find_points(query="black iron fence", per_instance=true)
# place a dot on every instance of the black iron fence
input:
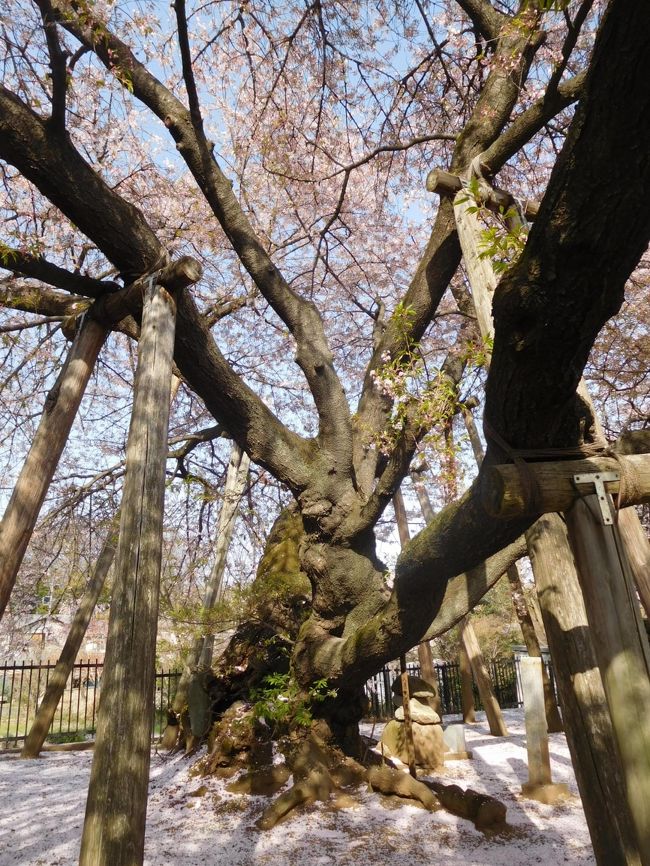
(23, 684)
(504, 674)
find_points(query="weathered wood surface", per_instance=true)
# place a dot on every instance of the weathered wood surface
(491, 706)
(479, 269)
(428, 673)
(503, 489)
(445, 184)
(637, 548)
(36, 475)
(114, 826)
(466, 689)
(621, 647)
(539, 760)
(177, 275)
(200, 655)
(59, 676)
(406, 706)
(584, 709)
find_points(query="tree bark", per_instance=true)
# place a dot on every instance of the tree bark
(56, 685)
(553, 720)
(114, 826)
(59, 412)
(588, 725)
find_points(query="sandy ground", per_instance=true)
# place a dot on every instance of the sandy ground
(43, 807)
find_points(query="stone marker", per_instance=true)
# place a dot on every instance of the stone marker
(540, 785)
(454, 738)
(428, 741)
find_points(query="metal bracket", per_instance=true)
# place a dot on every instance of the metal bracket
(598, 479)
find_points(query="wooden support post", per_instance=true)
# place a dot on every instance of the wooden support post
(540, 784)
(621, 648)
(637, 548)
(491, 706)
(236, 476)
(468, 638)
(466, 688)
(408, 725)
(116, 808)
(424, 650)
(200, 656)
(584, 709)
(36, 475)
(428, 673)
(59, 677)
(479, 269)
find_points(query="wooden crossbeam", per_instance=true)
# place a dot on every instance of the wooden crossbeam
(445, 184)
(503, 487)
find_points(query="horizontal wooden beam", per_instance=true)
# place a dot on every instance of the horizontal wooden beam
(112, 308)
(445, 184)
(504, 487)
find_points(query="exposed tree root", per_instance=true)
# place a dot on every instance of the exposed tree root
(390, 781)
(486, 812)
(317, 786)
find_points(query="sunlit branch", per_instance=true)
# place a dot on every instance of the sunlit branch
(24, 326)
(484, 17)
(531, 121)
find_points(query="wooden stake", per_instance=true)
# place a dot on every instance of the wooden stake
(637, 548)
(59, 677)
(114, 826)
(491, 706)
(428, 673)
(621, 648)
(408, 725)
(466, 688)
(584, 709)
(36, 475)
(200, 656)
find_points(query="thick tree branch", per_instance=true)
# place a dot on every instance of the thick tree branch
(37, 299)
(529, 122)
(300, 316)
(591, 230)
(519, 38)
(484, 17)
(119, 229)
(58, 60)
(40, 269)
